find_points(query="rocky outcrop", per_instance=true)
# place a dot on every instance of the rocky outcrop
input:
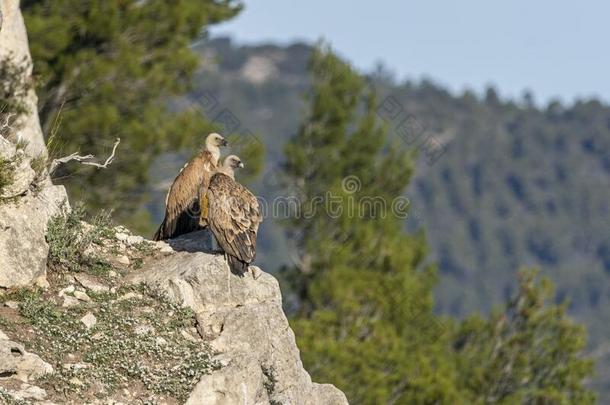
(16, 362)
(24, 212)
(23, 174)
(241, 318)
(14, 46)
(23, 225)
(26, 205)
(243, 321)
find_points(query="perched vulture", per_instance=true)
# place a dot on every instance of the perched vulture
(182, 201)
(233, 216)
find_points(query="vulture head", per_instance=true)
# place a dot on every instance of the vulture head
(231, 163)
(215, 140)
(213, 143)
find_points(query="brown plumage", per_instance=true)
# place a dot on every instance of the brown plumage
(182, 213)
(233, 216)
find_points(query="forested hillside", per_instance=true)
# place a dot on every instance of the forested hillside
(510, 183)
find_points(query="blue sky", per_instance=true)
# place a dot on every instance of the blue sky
(557, 49)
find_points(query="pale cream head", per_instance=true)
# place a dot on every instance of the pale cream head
(213, 143)
(231, 163)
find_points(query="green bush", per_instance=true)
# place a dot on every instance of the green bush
(69, 237)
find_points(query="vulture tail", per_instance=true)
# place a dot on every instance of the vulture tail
(237, 266)
(157, 235)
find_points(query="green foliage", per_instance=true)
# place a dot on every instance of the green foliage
(69, 237)
(365, 293)
(15, 85)
(7, 172)
(8, 399)
(518, 185)
(252, 153)
(529, 353)
(365, 321)
(136, 339)
(108, 69)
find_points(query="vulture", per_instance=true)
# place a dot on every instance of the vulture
(182, 202)
(233, 216)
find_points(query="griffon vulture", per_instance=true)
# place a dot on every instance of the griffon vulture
(233, 216)
(182, 201)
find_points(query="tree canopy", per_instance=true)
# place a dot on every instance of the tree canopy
(365, 319)
(108, 69)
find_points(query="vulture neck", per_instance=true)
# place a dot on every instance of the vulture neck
(229, 171)
(214, 150)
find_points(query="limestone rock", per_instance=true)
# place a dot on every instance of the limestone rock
(69, 289)
(23, 226)
(29, 392)
(122, 259)
(133, 240)
(11, 304)
(243, 321)
(89, 320)
(23, 222)
(81, 296)
(70, 301)
(23, 174)
(91, 284)
(14, 44)
(15, 362)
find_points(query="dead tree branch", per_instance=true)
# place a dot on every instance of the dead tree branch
(85, 160)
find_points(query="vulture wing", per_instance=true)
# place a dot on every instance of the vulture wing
(233, 217)
(182, 201)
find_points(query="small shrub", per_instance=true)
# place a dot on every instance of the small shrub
(69, 238)
(8, 399)
(39, 165)
(7, 173)
(14, 85)
(134, 341)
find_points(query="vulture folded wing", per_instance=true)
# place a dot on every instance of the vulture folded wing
(234, 217)
(182, 201)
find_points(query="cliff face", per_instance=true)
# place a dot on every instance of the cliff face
(93, 314)
(14, 47)
(27, 199)
(155, 324)
(243, 321)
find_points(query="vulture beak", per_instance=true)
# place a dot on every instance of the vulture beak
(224, 142)
(241, 164)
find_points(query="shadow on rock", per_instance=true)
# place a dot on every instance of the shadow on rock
(198, 241)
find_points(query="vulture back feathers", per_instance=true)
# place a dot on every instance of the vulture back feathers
(233, 216)
(182, 208)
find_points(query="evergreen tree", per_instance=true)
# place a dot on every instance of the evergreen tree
(107, 69)
(529, 353)
(366, 321)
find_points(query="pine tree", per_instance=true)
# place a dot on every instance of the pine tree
(527, 353)
(108, 69)
(366, 321)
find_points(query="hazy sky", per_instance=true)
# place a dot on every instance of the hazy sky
(555, 48)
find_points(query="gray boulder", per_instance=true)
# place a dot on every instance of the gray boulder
(24, 175)
(15, 362)
(23, 226)
(24, 216)
(14, 45)
(243, 321)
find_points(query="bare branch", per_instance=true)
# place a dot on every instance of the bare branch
(85, 160)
